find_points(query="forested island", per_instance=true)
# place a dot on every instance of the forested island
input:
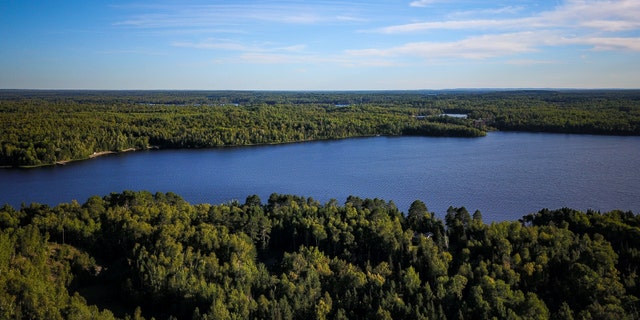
(41, 127)
(138, 255)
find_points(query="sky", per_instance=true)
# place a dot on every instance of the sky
(319, 45)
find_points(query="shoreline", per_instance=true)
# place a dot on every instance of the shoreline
(97, 154)
(94, 155)
(104, 153)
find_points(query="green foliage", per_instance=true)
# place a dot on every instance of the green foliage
(43, 128)
(611, 112)
(138, 255)
(47, 127)
(35, 274)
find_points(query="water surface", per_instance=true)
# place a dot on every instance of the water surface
(504, 175)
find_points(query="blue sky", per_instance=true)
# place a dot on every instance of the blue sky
(319, 45)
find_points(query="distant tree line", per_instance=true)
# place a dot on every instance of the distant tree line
(137, 255)
(45, 129)
(615, 112)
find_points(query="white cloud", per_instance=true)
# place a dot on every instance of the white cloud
(455, 25)
(220, 44)
(480, 47)
(612, 25)
(289, 58)
(225, 15)
(596, 24)
(528, 62)
(491, 46)
(489, 11)
(270, 58)
(607, 44)
(599, 15)
(233, 45)
(146, 52)
(293, 48)
(422, 3)
(623, 14)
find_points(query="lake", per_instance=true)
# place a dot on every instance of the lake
(504, 175)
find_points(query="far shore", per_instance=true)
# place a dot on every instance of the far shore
(104, 153)
(91, 156)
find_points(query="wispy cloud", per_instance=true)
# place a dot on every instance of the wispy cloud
(268, 53)
(608, 43)
(456, 25)
(235, 45)
(281, 58)
(595, 24)
(612, 15)
(260, 53)
(498, 45)
(220, 44)
(145, 52)
(529, 62)
(623, 14)
(475, 34)
(217, 15)
(480, 47)
(347, 61)
(508, 10)
(422, 3)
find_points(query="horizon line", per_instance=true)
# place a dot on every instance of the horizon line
(345, 90)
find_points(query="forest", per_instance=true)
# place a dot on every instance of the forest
(40, 127)
(138, 255)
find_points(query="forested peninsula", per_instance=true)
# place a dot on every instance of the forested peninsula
(40, 127)
(138, 255)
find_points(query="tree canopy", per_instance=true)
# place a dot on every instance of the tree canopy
(47, 127)
(137, 255)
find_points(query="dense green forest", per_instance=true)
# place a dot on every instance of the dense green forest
(137, 255)
(47, 127)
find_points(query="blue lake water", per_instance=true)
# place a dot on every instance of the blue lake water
(504, 175)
